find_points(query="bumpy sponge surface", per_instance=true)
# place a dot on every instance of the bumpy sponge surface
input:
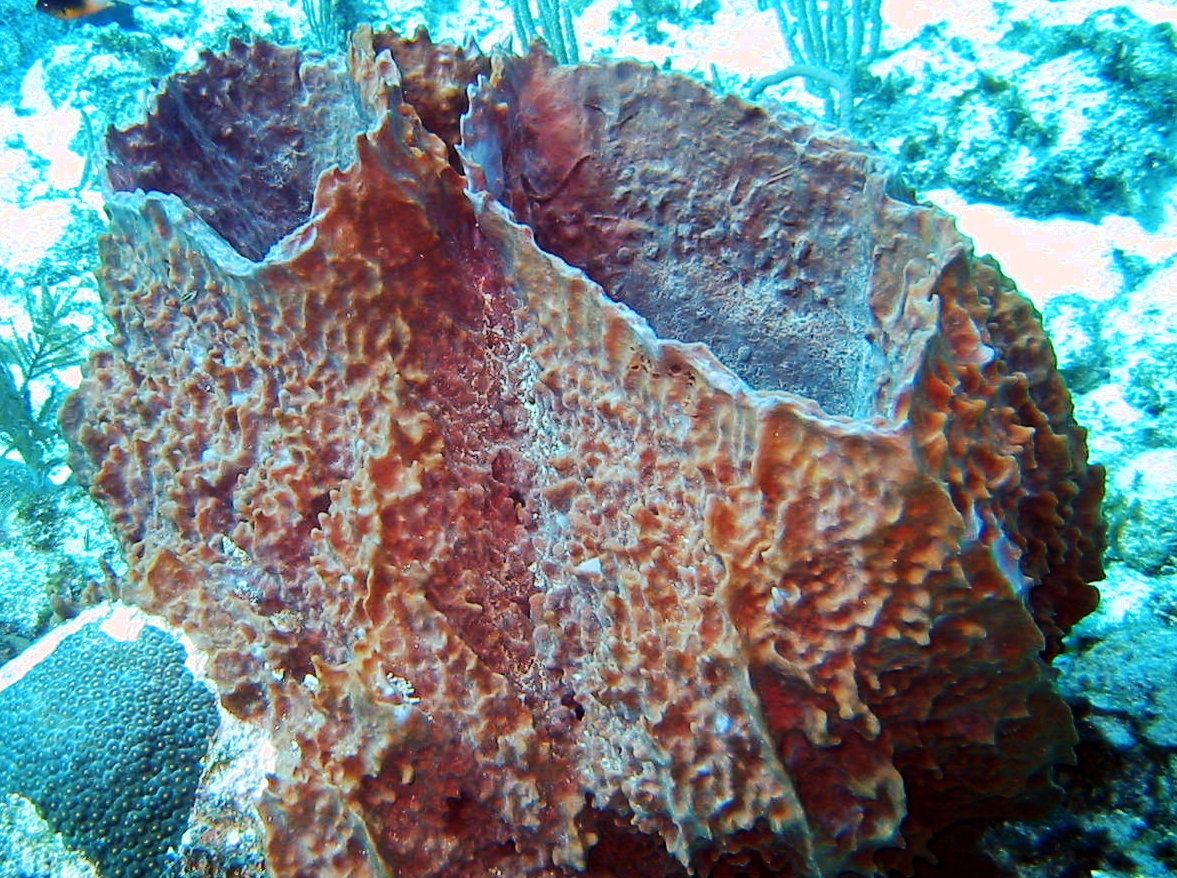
(106, 735)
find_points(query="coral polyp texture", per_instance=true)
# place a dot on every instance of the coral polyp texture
(625, 485)
(104, 729)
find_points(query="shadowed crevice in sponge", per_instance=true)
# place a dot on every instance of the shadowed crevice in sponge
(755, 236)
(225, 143)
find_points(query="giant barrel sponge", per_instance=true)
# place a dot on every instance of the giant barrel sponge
(595, 476)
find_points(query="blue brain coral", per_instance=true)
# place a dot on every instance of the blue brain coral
(106, 736)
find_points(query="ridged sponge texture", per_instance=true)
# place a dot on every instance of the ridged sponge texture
(522, 581)
(105, 735)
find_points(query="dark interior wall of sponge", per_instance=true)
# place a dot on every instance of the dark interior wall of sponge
(106, 737)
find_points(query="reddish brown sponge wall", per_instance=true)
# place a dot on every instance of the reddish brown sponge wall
(761, 578)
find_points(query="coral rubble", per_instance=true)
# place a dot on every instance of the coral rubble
(747, 561)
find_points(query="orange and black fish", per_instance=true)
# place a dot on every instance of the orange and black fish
(92, 11)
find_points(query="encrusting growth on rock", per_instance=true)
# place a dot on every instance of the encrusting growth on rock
(625, 486)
